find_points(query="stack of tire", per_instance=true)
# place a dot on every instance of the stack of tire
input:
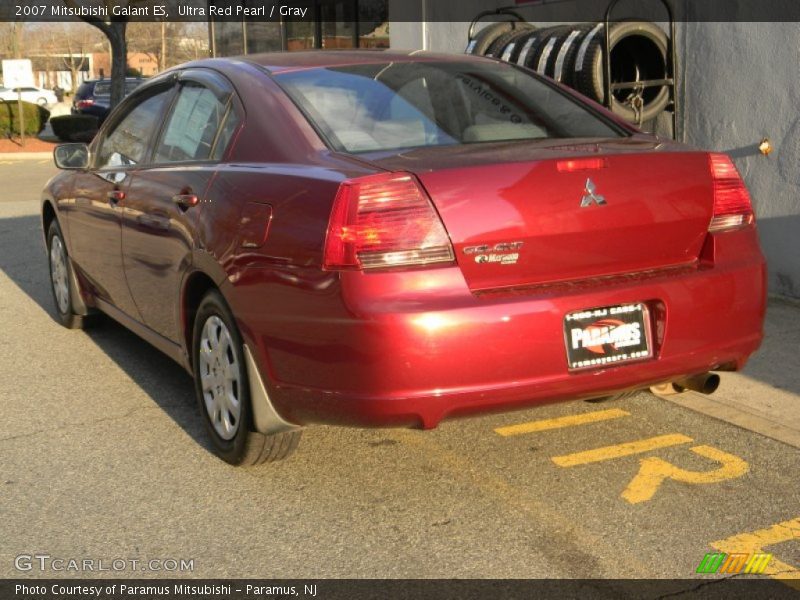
(573, 55)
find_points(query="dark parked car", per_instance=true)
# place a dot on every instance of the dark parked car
(389, 239)
(93, 97)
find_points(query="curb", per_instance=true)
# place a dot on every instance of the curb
(735, 416)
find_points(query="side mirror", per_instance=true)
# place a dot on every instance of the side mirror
(71, 156)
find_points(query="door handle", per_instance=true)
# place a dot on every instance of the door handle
(185, 201)
(115, 196)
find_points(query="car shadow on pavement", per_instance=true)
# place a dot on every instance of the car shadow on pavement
(24, 261)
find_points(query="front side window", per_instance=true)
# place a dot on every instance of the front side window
(127, 142)
(195, 121)
(364, 108)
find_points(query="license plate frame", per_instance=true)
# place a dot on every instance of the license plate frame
(611, 325)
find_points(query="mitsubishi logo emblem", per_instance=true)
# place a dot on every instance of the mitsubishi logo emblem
(589, 196)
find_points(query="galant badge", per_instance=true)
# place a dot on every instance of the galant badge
(590, 197)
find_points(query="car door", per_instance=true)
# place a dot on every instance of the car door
(162, 206)
(100, 193)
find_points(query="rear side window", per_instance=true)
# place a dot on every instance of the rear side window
(103, 88)
(128, 140)
(193, 127)
(365, 108)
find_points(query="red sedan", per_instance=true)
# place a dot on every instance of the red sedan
(388, 239)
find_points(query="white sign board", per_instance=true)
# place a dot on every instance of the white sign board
(17, 73)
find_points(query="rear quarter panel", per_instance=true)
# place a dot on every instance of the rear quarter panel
(282, 299)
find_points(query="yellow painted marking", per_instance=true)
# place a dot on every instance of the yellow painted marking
(654, 471)
(754, 543)
(620, 450)
(559, 422)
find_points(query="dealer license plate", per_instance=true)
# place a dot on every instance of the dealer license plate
(609, 335)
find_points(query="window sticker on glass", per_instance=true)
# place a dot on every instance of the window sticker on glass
(192, 127)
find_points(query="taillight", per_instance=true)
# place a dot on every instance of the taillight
(732, 207)
(382, 221)
(581, 164)
(85, 103)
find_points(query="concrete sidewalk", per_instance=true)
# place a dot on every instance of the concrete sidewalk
(765, 396)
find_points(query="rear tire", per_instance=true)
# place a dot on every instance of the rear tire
(61, 277)
(223, 390)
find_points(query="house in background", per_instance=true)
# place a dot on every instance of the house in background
(62, 70)
(145, 64)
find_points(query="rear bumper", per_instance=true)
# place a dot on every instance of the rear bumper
(409, 349)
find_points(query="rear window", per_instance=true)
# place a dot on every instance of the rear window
(103, 88)
(367, 108)
(85, 89)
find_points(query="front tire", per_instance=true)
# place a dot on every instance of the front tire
(223, 390)
(60, 278)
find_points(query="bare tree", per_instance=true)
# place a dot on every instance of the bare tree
(168, 43)
(17, 40)
(114, 30)
(75, 58)
(150, 39)
(9, 39)
(192, 43)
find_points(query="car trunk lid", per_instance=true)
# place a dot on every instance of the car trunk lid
(540, 212)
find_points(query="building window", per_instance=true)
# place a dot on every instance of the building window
(335, 24)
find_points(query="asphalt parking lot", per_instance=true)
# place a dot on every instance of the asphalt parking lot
(104, 456)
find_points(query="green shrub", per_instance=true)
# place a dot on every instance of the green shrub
(35, 117)
(75, 128)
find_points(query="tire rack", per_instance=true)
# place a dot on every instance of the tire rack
(670, 81)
